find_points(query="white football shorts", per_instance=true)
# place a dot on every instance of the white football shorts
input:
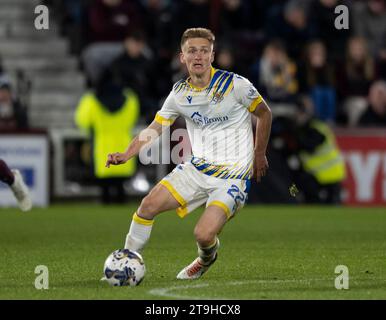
(192, 188)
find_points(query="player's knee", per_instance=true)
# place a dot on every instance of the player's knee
(148, 208)
(204, 236)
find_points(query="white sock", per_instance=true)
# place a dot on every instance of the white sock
(139, 233)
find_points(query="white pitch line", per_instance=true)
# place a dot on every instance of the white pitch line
(166, 292)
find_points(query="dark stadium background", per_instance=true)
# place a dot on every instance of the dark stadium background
(279, 246)
(83, 50)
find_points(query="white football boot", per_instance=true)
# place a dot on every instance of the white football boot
(21, 192)
(195, 270)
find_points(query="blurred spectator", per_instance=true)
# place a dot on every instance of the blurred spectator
(317, 79)
(157, 22)
(369, 20)
(323, 15)
(225, 59)
(354, 76)
(233, 18)
(310, 151)
(323, 168)
(257, 12)
(290, 24)
(234, 24)
(375, 115)
(13, 114)
(134, 69)
(241, 23)
(97, 57)
(111, 20)
(73, 21)
(109, 23)
(357, 69)
(159, 27)
(110, 115)
(189, 14)
(276, 74)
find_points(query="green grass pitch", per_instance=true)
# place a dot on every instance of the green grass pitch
(267, 252)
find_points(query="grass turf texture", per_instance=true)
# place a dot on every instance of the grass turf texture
(267, 252)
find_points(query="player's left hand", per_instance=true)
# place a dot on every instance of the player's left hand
(260, 166)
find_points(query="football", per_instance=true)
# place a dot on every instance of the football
(124, 268)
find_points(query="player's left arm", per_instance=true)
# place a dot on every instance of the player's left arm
(263, 130)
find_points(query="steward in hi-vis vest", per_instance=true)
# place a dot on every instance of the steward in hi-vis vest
(110, 116)
(326, 162)
(322, 161)
(110, 130)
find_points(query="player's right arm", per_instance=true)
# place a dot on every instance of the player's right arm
(145, 137)
(164, 118)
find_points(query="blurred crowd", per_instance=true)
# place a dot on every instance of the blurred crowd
(13, 112)
(286, 48)
(309, 72)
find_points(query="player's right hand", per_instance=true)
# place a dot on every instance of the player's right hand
(115, 159)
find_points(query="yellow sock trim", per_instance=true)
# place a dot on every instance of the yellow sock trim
(142, 221)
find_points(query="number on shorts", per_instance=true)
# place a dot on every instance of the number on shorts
(236, 194)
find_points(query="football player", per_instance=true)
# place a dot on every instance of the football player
(14, 180)
(217, 106)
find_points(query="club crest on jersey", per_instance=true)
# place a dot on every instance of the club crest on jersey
(189, 98)
(217, 97)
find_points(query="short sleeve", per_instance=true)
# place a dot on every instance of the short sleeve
(168, 113)
(246, 93)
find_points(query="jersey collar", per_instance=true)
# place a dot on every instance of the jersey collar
(212, 71)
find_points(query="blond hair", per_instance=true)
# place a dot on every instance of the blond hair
(197, 33)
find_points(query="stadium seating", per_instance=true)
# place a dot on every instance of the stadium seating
(42, 57)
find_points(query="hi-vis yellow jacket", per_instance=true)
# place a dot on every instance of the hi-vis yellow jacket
(112, 131)
(326, 163)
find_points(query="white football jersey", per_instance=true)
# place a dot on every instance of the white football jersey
(218, 122)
